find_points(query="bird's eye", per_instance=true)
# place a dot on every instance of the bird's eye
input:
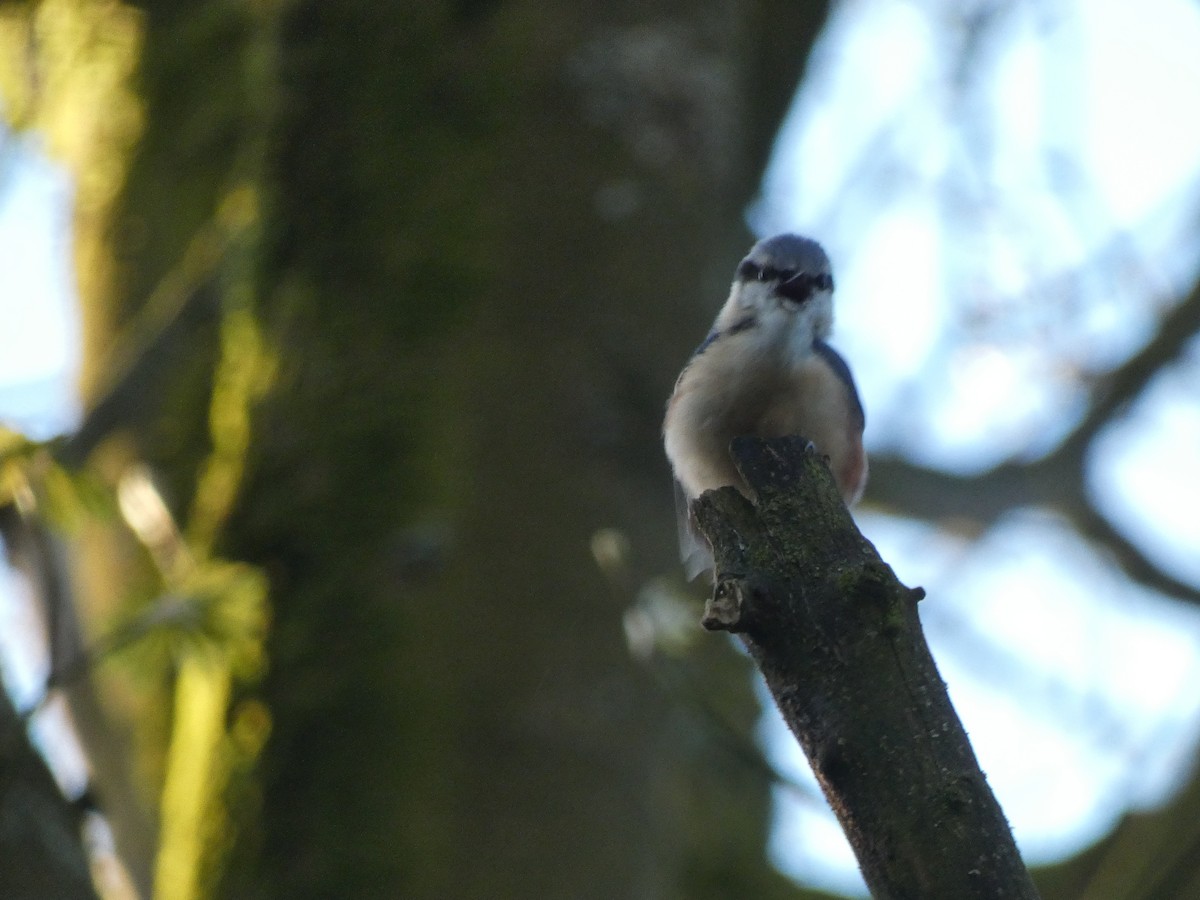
(749, 270)
(823, 282)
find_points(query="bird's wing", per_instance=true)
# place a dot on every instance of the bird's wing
(693, 550)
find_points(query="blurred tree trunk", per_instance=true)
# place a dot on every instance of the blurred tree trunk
(488, 234)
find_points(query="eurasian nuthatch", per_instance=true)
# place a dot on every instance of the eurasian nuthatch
(765, 370)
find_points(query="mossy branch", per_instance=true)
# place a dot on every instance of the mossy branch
(839, 641)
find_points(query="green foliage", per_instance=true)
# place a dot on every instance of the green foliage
(32, 479)
(218, 610)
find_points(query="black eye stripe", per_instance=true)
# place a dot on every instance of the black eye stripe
(748, 270)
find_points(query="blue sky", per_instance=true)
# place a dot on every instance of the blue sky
(39, 343)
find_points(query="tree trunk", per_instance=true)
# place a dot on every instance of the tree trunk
(484, 236)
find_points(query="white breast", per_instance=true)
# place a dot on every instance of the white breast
(720, 396)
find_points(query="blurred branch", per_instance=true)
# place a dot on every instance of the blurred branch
(933, 494)
(1056, 481)
(840, 645)
(1118, 388)
(1148, 856)
(129, 395)
(1132, 560)
(42, 852)
(34, 552)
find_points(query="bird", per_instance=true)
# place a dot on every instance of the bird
(764, 370)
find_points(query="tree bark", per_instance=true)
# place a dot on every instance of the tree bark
(839, 641)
